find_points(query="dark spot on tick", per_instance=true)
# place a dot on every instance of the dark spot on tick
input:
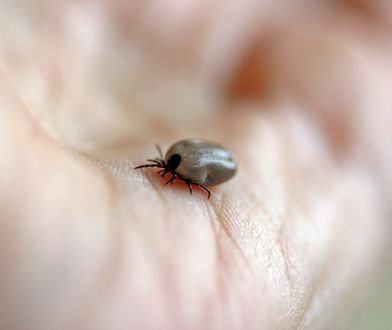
(174, 161)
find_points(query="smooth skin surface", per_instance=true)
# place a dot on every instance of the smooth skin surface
(303, 100)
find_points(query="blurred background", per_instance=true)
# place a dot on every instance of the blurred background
(376, 312)
(140, 64)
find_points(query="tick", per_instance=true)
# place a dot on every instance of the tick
(195, 162)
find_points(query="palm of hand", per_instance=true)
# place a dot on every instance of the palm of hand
(84, 247)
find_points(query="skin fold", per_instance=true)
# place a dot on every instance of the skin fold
(301, 97)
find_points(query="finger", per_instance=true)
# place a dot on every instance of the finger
(340, 77)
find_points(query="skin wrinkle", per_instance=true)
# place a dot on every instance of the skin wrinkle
(163, 263)
(327, 272)
(166, 197)
(98, 284)
(169, 286)
(312, 294)
(158, 262)
(110, 266)
(249, 269)
(225, 265)
(218, 260)
(285, 258)
(222, 259)
(247, 217)
(265, 250)
(286, 279)
(254, 272)
(99, 290)
(281, 246)
(116, 256)
(276, 270)
(219, 255)
(279, 281)
(259, 246)
(37, 153)
(311, 289)
(224, 215)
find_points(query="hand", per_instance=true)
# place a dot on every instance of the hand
(291, 242)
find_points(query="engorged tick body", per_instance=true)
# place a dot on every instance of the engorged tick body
(196, 162)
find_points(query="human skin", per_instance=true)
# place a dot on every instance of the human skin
(294, 240)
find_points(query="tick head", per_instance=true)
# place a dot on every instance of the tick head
(173, 161)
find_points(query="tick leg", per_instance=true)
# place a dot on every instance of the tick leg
(147, 165)
(156, 161)
(171, 180)
(204, 188)
(165, 171)
(168, 181)
(189, 186)
(157, 146)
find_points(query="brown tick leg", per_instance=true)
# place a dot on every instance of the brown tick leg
(171, 180)
(189, 186)
(156, 161)
(147, 165)
(204, 188)
(157, 146)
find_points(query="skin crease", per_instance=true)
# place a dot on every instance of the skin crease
(293, 241)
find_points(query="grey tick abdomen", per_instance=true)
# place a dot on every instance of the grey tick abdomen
(203, 162)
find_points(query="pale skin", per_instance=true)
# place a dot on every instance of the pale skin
(294, 240)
